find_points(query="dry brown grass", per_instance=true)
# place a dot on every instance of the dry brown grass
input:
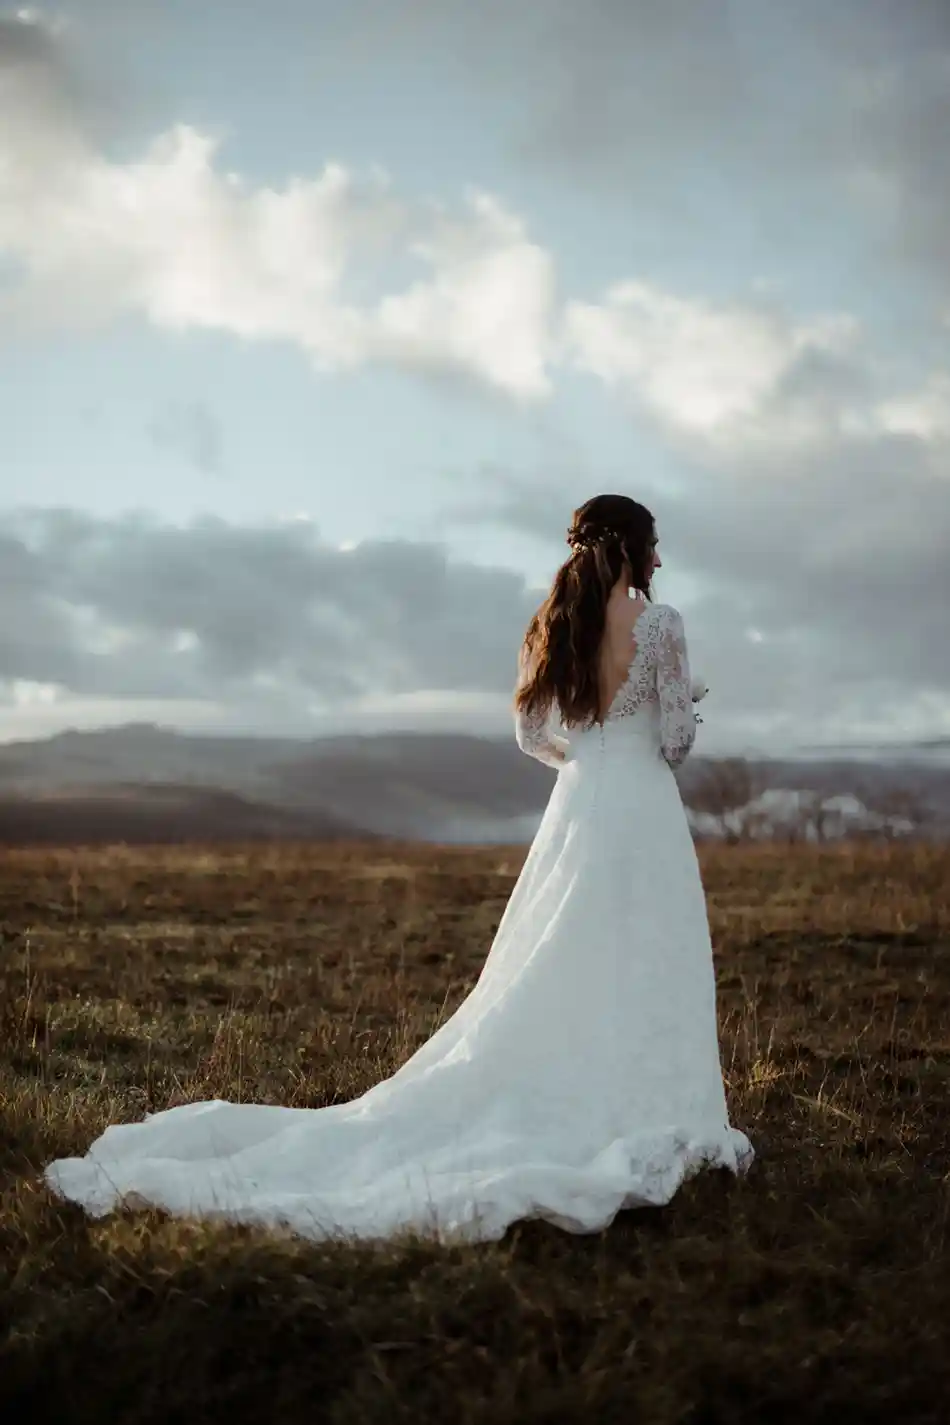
(817, 1289)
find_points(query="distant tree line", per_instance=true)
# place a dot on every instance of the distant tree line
(728, 793)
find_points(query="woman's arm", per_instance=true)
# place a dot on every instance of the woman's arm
(677, 716)
(534, 737)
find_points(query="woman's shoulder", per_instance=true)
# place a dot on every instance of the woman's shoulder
(665, 614)
(665, 621)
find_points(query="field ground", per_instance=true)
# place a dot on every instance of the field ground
(816, 1289)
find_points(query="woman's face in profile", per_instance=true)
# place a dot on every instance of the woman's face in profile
(654, 561)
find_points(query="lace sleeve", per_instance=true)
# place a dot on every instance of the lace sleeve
(533, 733)
(677, 717)
(534, 736)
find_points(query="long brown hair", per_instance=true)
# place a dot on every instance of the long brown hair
(610, 535)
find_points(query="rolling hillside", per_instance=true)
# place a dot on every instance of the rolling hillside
(142, 783)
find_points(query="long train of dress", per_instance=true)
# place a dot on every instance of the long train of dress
(580, 1076)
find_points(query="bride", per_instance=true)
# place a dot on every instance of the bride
(582, 1073)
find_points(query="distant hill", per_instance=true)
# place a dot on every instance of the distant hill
(149, 814)
(139, 777)
(142, 783)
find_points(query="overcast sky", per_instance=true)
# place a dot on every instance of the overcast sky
(317, 320)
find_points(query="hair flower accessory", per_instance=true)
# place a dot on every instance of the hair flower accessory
(589, 537)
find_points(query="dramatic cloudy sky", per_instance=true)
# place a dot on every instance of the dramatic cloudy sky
(317, 320)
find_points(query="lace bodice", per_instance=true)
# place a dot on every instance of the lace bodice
(658, 674)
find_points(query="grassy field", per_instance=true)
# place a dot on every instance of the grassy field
(816, 1289)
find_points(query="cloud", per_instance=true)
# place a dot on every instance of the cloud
(711, 370)
(39, 91)
(267, 627)
(169, 236)
(190, 429)
(26, 40)
(487, 308)
(809, 131)
(924, 413)
(742, 382)
(797, 458)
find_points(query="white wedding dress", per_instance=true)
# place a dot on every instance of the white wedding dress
(580, 1076)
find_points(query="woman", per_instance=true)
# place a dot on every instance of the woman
(581, 1075)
